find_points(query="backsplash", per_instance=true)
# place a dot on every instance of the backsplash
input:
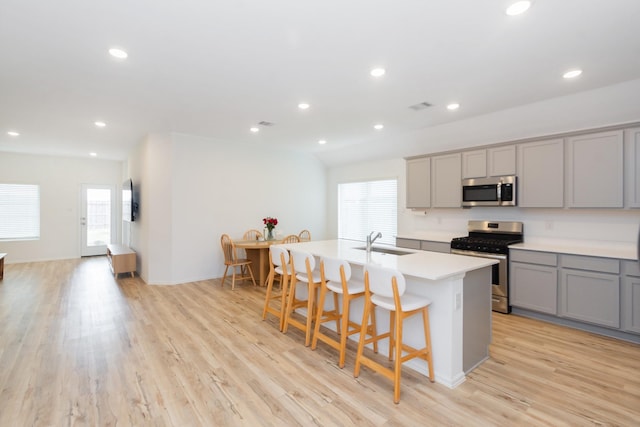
(565, 224)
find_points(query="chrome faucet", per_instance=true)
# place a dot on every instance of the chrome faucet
(370, 240)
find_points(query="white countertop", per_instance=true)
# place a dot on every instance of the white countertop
(422, 264)
(618, 250)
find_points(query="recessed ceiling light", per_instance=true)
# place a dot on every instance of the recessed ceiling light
(378, 72)
(322, 142)
(118, 53)
(303, 106)
(93, 154)
(379, 126)
(518, 7)
(572, 74)
(254, 130)
(13, 133)
(100, 124)
(453, 106)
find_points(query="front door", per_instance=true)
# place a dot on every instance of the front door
(97, 219)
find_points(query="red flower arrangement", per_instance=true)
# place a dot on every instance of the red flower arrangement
(270, 223)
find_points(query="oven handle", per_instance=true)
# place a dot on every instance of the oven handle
(478, 254)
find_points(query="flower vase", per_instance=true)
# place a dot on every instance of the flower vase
(270, 234)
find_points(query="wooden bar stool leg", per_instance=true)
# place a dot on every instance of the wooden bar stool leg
(392, 328)
(397, 369)
(310, 306)
(365, 319)
(427, 340)
(319, 313)
(267, 298)
(344, 330)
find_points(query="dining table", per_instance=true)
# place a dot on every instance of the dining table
(258, 253)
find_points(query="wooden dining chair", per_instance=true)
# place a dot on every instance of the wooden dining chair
(305, 235)
(291, 238)
(231, 260)
(252, 235)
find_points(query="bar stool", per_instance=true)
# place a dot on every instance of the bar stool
(279, 260)
(385, 288)
(335, 276)
(303, 272)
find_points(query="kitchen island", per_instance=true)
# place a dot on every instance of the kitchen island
(458, 286)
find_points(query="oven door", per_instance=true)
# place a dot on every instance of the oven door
(499, 279)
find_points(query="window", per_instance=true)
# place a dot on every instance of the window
(19, 212)
(364, 207)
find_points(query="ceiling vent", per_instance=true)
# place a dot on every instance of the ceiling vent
(420, 106)
(263, 123)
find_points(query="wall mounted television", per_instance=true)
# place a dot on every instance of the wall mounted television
(129, 204)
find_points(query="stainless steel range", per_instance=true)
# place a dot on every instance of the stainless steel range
(491, 239)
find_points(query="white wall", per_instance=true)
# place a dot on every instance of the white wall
(60, 180)
(195, 189)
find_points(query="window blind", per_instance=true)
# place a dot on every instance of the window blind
(369, 206)
(19, 211)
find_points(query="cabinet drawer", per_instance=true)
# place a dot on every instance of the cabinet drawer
(604, 265)
(631, 268)
(407, 243)
(532, 257)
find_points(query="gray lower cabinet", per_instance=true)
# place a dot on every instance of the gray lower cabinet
(431, 246)
(631, 297)
(533, 282)
(590, 290)
(407, 243)
(425, 245)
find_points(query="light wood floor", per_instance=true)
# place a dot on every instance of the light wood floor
(79, 348)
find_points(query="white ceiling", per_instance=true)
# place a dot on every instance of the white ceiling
(215, 68)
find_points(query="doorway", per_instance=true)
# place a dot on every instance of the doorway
(97, 219)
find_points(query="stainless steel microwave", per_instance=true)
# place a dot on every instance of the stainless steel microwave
(494, 191)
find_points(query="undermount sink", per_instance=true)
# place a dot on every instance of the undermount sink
(385, 250)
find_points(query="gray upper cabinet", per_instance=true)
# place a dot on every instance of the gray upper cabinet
(594, 165)
(474, 164)
(419, 183)
(446, 182)
(496, 161)
(632, 167)
(502, 160)
(541, 174)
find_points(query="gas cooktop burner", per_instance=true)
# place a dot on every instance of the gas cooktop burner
(481, 244)
(489, 237)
